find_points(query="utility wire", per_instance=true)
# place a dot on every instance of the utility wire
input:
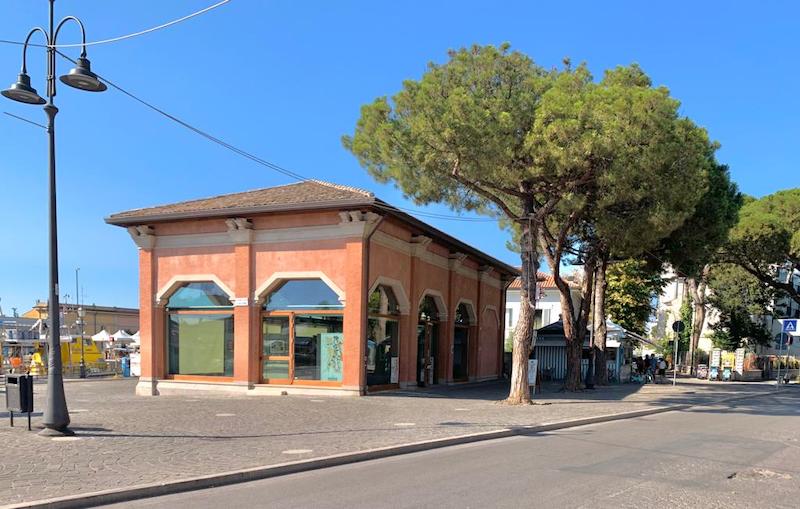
(25, 120)
(280, 169)
(127, 36)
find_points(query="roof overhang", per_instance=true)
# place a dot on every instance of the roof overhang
(131, 220)
(373, 204)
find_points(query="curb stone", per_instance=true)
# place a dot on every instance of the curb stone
(113, 496)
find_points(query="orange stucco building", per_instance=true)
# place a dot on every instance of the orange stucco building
(309, 288)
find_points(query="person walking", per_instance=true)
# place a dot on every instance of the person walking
(662, 369)
(648, 369)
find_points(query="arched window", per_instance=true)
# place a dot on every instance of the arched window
(302, 336)
(303, 294)
(462, 315)
(383, 301)
(382, 337)
(428, 311)
(200, 331)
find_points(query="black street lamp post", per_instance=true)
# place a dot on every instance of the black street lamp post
(56, 416)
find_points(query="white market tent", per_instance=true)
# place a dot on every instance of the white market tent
(136, 339)
(122, 337)
(102, 337)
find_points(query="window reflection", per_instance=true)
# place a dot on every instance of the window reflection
(382, 337)
(300, 346)
(199, 343)
(303, 294)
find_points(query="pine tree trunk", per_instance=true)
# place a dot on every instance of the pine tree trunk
(697, 290)
(600, 332)
(519, 393)
(575, 322)
(523, 343)
(574, 352)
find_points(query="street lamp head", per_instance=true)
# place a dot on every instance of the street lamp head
(22, 91)
(82, 77)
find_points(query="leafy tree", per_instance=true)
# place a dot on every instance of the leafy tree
(736, 329)
(573, 164)
(767, 239)
(460, 136)
(685, 336)
(632, 145)
(632, 285)
(741, 300)
(692, 248)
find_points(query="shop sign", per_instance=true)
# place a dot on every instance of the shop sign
(716, 356)
(532, 366)
(739, 362)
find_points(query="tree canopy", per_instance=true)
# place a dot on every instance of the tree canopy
(460, 135)
(697, 242)
(741, 301)
(632, 285)
(766, 240)
(577, 165)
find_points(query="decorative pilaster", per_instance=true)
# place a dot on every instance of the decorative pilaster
(246, 351)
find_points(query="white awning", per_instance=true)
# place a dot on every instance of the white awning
(122, 337)
(102, 337)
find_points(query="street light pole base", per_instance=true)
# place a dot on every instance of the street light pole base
(51, 432)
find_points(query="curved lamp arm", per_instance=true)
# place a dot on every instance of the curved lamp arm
(83, 33)
(25, 46)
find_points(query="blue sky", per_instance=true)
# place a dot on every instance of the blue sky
(285, 80)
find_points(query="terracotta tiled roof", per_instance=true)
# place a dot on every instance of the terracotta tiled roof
(306, 194)
(544, 280)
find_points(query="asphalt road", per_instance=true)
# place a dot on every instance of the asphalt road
(740, 454)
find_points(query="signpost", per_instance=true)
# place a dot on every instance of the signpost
(532, 367)
(678, 327)
(789, 328)
(738, 364)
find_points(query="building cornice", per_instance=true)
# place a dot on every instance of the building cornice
(240, 231)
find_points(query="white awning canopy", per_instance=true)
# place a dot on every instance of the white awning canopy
(102, 337)
(122, 337)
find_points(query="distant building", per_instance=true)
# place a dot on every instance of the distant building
(548, 303)
(550, 350)
(668, 310)
(97, 318)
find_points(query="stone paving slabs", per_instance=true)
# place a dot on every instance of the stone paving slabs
(125, 440)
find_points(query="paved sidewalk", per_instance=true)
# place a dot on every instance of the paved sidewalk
(124, 441)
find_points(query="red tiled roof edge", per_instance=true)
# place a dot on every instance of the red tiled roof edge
(544, 280)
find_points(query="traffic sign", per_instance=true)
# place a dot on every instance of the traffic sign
(678, 326)
(789, 326)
